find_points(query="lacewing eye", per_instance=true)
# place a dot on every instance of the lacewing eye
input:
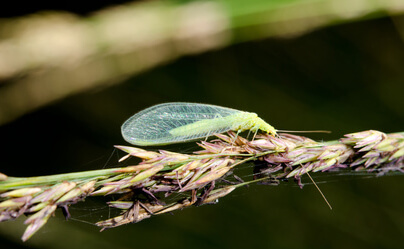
(180, 122)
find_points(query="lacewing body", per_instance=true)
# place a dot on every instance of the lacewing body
(181, 122)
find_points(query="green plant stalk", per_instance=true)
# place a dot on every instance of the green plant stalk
(22, 182)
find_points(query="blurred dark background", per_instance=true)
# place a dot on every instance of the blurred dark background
(20, 8)
(343, 78)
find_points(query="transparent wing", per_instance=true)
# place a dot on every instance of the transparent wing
(152, 126)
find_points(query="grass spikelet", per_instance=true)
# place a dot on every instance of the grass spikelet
(200, 177)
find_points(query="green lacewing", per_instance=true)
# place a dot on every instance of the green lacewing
(181, 122)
